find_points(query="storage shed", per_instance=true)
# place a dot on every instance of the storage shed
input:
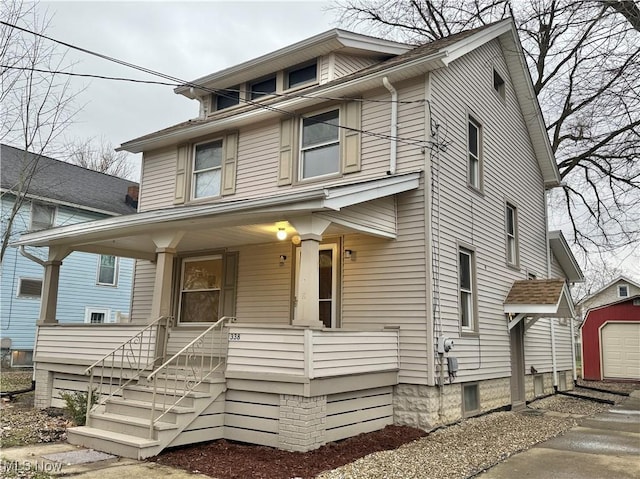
(611, 341)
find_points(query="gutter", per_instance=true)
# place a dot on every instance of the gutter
(394, 126)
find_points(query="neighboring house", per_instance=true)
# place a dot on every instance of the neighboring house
(93, 288)
(611, 341)
(351, 234)
(619, 289)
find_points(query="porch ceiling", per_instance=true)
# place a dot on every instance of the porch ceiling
(224, 223)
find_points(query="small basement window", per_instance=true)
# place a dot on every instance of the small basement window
(470, 399)
(21, 359)
(538, 385)
(498, 84)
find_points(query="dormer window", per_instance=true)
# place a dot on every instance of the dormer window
(263, 87)
(227, 98)
(300, 75)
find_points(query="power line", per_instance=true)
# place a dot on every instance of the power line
(220, 92)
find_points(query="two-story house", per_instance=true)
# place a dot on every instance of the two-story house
(93, 288)
(352, 233)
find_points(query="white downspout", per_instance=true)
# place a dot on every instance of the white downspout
(394, 126)
(553, 355)
(554, 365)
(573, 352)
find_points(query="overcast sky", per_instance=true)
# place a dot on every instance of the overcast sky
(183, 39)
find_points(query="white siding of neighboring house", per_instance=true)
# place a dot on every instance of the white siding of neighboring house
(478, 220)
(608, 295)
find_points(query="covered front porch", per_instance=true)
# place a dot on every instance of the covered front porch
(209, 317)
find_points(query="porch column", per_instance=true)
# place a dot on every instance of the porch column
(310, 230)
(49, 301)
(165, 255)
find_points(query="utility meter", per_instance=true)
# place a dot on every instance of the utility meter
(444, 344)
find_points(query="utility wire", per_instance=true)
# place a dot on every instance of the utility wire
(221, 92)
(88, 75)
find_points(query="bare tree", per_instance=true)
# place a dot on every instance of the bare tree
(36, 106)
(99, 155)
(584, 61)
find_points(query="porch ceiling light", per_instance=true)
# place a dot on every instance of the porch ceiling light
(281, 234)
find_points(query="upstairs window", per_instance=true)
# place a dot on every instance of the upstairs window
(320, 145)
(41, 216)
(512, 235)
(227, 98)
(498, 84)
(623, 291)
(207, 169)
(474, 166)
(466, 284)
(263, 88)
(107, 270)
(301, 75)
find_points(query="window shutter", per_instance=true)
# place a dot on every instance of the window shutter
(229, 165)
(285, 167)
(229, 287)
(350, 136)
(181, 174)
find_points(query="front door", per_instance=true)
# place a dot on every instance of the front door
(328, 281)
(517, 367)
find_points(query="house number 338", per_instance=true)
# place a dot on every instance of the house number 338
(234, 336)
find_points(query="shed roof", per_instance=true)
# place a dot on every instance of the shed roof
(64, 183)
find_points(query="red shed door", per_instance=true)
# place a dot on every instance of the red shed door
(621, 351)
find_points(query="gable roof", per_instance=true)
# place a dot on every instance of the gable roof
(565, 258)
(619, 279)
(63, 183)
(539, 298)
(418, 61)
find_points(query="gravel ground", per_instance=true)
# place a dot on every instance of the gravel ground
(620, 387)
(474, 445)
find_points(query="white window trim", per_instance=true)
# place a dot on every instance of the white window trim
(620, 286)
(515, 261)
(473, 326)
(501, 91)
(182, 266)
(115, 272)
(471, 119)
(301, 149)
(89, 310)
(28, 296)
(54, 215)
(193, 169)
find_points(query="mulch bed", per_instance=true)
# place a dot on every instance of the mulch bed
(230, 460)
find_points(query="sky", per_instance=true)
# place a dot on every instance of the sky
(184, 39)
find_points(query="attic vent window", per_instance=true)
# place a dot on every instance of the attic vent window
(623, 291)
(263, 87)
(227, 98)
(498, 84)
(301, 75)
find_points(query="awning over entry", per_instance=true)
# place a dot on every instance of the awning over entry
(538, 298)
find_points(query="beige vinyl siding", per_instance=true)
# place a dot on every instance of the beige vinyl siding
(385, 285)
(346, 64)
(264, 286)
(208, 426)
(72, 383)
(478, 220)
(258, 152)
(158, 179)
(143, 281)
(357, 412)
(537, 346)
(252, 417)
(556, 269)
(379, 214)
(563, 344)
(182, 336)
(324, 68)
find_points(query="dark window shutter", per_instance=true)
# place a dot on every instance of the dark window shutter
(230, 284)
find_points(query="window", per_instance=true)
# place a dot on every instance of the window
(29, 288)
(512, 235)
(263, 87)
(623, 291)
(41, 216)
(498, 84)
(320, 145)
(474, 166)
(466, 289)
(470, 399)
(538, 385)
(301, 75)
(227, 98)
(96, 315)
(207, 169)
(200, 287)
(107, 270)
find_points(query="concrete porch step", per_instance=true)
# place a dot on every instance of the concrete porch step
(124, 445)
(129, 425)
(142, 409)
(145, 393)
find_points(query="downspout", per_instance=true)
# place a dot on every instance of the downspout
(394, 126)
(28, 255)
(553, 355)
(573, 352)
(554, 365)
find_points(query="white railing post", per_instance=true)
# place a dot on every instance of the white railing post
(308, 353)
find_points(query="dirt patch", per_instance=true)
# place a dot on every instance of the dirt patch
(229, 460)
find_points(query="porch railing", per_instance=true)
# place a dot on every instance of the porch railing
(193, 364)
(139, 353)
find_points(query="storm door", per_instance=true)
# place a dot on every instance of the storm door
(200, 289)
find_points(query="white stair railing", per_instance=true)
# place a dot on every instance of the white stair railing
(193, 364)
(139, 353)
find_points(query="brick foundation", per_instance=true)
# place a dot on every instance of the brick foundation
(44, 388)
(302, 422)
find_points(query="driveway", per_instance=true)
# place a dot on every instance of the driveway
(606, 445)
